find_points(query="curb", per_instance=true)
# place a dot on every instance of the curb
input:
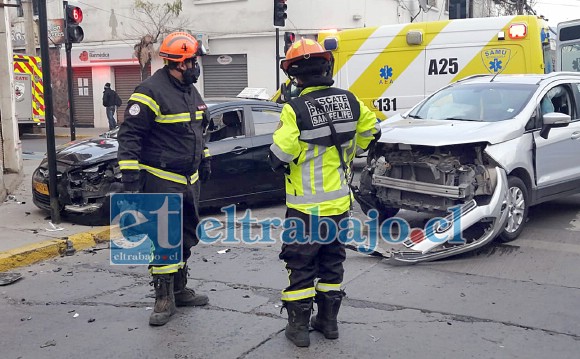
(37, 252)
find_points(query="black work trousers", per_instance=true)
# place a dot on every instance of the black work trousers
(153, 184)
(307, 262)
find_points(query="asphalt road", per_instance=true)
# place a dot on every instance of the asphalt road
(516, 300)
(33, 144)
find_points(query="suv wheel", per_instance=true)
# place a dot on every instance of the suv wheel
(517, 207)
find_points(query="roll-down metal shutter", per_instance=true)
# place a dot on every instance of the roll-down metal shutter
(84, 113)
(126, 79)
(224, 75)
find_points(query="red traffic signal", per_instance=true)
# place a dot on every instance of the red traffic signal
(74, 16)
(289, 38)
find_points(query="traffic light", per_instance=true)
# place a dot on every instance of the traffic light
(289, 38)
(73, 17)
(280, 12)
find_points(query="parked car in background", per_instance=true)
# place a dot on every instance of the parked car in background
(493, 145)
(239, 134)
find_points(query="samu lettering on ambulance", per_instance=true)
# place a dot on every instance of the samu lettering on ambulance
(493, 52)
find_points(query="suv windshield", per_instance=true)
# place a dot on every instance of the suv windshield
(484, 102)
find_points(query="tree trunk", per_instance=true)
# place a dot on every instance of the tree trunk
(145, 70)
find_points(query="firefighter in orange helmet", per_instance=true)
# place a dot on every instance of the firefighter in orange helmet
(313, 126)
(162, 150)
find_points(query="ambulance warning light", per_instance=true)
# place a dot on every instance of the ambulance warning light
(518, 31)
(330, 43)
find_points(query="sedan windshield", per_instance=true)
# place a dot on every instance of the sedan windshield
(484, 102)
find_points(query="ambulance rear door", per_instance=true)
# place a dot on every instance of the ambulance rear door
(23, 97)
(568, 46)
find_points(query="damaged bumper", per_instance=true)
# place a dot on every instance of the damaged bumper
(83, 209)
(471, 213)
(492, 214)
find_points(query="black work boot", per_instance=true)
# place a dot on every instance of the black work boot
(298, 317)
(164, 299)
(325, 320)
(186, 297)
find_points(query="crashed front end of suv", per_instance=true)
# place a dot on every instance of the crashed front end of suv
(443, 155)
(434, 179)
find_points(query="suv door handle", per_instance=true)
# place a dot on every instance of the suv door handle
(238, 150)
(575, 135)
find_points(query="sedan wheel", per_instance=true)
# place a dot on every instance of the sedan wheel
(517, 208)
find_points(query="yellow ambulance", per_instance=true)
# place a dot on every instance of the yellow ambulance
(393, 67)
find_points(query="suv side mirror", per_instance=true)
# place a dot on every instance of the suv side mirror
(553, 120)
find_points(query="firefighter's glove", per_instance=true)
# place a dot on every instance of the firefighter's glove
(205, 170)
(130, 181)
(131, 187)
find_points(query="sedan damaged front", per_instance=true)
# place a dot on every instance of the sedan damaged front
(87, 172)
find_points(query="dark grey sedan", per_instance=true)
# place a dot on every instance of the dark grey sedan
(239, 135)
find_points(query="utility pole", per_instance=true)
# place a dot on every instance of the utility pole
(12, 152)
(277, 58)
(69, 76)
(521, 5)
(29, 27)
(49, 120)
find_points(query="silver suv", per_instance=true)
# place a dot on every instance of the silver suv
(492, 145)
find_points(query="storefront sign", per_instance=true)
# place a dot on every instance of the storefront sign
(18, 39)
(18, 35)
(100, 56)
(224, 60)
(56, 31)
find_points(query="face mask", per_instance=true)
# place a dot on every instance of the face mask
(191, 75)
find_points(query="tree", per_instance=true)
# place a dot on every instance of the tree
(155, 21)
(511, 7)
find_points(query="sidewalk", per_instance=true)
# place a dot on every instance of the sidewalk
(80, 132)
(26, 234)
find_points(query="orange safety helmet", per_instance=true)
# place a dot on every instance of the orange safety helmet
(178, 47)
(304, 49)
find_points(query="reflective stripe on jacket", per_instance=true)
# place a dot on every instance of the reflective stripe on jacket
(316, 182)
(163, 130)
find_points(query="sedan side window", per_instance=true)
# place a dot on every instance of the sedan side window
(265, 121)
(226, 125)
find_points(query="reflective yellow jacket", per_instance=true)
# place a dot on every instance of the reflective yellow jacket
(315, 180)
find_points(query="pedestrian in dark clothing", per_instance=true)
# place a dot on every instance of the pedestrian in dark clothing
(111, 101)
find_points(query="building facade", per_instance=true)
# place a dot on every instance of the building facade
(239, 34)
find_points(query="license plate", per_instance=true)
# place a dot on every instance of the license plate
(41, 187)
